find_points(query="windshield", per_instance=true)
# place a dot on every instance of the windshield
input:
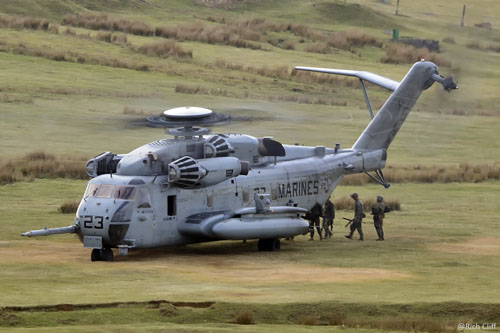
(110, 191)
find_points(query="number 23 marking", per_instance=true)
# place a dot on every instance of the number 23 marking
(88, 219)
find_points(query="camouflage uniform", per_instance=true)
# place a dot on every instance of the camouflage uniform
(358, 217)
(328, 217)
(378, 211)
(314, 214)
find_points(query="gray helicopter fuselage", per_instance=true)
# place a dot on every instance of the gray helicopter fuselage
(154, 214)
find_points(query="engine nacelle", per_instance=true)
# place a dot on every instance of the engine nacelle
(101, 164)
(188, 172)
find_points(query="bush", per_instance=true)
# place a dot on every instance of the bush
(244, 317)
(310, 320)
(449, 40)
(407, 54)
(69, 207)
(164, 48)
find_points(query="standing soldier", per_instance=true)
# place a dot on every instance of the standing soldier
(358, 217)
(378, 211)
(328, 217)
(314, 214)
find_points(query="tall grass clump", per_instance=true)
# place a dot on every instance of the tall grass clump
(309, 320)
(407, 54)
(69, 207)
(164, 48)
(244, 317)
(24, 22)
(105, 22)
(462, 173)
(42, 165)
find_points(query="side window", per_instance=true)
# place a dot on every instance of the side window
(172, 205)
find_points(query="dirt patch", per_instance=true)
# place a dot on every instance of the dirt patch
(243, 268)
(489, 246)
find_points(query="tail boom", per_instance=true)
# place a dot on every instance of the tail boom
(385, 125)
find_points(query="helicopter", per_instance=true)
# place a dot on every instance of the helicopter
(199, 187)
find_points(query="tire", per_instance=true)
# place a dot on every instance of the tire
(272, 244)
(96, 255)
(262, 245)
(275, 244)
(107, 255)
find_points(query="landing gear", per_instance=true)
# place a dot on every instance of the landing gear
(272, 244)
(102, 255)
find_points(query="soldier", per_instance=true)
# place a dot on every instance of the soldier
(328, 217)
(314, 214)
(378, 211)
(358, 217)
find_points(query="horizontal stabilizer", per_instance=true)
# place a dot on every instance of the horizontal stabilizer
(367, 76)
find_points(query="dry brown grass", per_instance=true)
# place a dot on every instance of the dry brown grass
(242, 33)
(186, 89)
(164, 48)
(347, 203)
(60, 55)
(8, 98)
(304, 99)
(105, 22)
(407, 54)
(41, 165)
(309, 320)
(475, 45)
(318, 48)
(244, 317)
(128, 110)
(449, 40)
(463, 173)
(69, 207)
(24, 22)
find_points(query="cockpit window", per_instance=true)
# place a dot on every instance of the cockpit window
(105, 191)
(125, 193)
(111, 191)
(91, 190)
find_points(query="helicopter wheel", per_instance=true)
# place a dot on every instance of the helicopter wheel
(102, 255)
(96, 255)
(107, 255)
(272, 244)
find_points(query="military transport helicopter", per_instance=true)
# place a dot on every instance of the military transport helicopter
(198, 187)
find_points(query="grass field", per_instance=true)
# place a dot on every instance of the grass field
(440, 259)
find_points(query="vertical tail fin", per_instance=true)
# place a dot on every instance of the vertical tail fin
(385, 125)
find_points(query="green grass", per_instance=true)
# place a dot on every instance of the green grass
(430, 249)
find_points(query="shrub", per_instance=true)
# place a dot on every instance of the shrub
(104, 22)
(69, 207)
(164, 48)
(104, 36)
(310, 320)
(474, 45)
(449, 40)
(244, 317)
(407, 54)
(289, 45)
